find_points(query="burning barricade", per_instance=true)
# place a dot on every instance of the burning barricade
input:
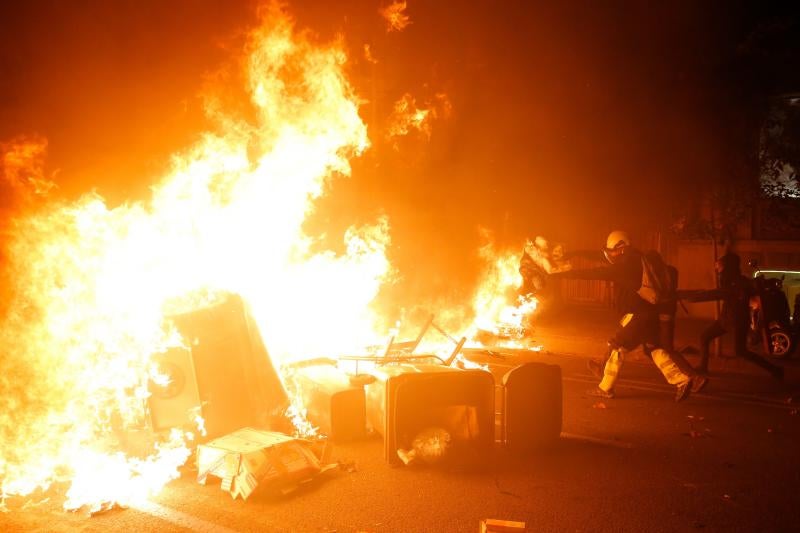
(94, 285)
(127, 314)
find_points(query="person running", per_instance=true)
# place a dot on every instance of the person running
(735, 291)
(640, 322)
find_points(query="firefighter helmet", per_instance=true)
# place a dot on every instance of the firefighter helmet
(617, 239)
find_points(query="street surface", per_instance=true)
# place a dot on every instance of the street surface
(723, 460)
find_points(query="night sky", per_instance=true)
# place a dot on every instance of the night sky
(569, 119)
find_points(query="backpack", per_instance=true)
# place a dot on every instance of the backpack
(659, 282)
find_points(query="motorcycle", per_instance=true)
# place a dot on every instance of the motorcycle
(771, 322)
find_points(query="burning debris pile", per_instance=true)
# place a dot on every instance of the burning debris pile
(93, 286)
(116, 319)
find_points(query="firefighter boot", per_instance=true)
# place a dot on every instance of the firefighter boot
(613, 364)
(673, 374)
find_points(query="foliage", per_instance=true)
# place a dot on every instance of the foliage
(780, 149)
(757, 112)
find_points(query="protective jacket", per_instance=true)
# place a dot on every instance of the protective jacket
(626, 274)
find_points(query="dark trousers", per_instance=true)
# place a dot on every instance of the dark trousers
(666, 341)
(716, 329)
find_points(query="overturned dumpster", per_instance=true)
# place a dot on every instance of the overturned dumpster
(225, 376)
(423, 403)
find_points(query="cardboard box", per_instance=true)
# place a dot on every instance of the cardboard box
(250, 457)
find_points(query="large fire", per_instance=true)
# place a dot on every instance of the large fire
(93, 285)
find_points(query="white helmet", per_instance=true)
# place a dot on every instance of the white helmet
(617, 239)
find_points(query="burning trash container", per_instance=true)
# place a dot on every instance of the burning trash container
(425, 410)
(227, 370)
(175, 400)
(334, 405)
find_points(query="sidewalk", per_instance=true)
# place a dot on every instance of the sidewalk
(584, 331)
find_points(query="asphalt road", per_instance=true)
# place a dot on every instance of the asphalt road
(723, 460)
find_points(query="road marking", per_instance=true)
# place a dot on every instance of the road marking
(180, 519)
(732, 397)
(595, 440)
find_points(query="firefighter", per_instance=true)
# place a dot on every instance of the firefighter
(640, 322)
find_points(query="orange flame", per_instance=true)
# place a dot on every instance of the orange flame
(406, 117)
(498, 315)
(498, 309)
(94, 283)
(394, 14)
(368, 54)
(22, 167)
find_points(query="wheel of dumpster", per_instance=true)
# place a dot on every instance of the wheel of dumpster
(780, 343)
